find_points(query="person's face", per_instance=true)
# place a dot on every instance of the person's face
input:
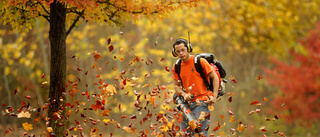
(181, 51)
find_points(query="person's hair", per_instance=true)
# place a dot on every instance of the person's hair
(179, 41)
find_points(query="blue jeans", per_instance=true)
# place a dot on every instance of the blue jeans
(196, 109)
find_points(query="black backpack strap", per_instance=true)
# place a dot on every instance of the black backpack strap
(199, 69)
(177, 68)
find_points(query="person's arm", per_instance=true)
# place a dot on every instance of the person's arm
(178, 89)
(215, 88)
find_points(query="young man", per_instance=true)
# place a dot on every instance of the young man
(193, 84)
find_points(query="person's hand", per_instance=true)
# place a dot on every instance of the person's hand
(211, 99)
(187, 97)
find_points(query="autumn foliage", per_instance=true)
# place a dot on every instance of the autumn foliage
(298, 82)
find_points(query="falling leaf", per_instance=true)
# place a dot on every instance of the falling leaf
(251, 112)
(167, 69)
(49, 129)
(275, 116)
(258, 110)
(210, 107)
(263, 129)
(28, 97)
(121, 49)
(111, 48)
(162, 59)
(96, 55)
(123, 116)
(222, 117)
(217, 127)
(94, 132)
(27, 126)
(15, 91)
(109, 41)
(163, 87)
(133, 116)
(127, 129)
(42, 76)
(234, 81)
(254, 102)
(230, 99)
(259, 77)
(24, 114)
(241, 128)
(265, 99)
(231, 119)
(230, 112)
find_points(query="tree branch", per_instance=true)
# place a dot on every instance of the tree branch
(44, 8)
(75, 22)
(44, 16)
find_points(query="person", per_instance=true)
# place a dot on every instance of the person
(192, 88)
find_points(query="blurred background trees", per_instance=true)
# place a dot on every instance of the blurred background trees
(248, 37)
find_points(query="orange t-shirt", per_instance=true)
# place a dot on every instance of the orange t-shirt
(191, 78)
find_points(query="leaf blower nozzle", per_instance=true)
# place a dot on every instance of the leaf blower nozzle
(183, 106)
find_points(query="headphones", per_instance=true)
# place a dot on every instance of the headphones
(179, 41)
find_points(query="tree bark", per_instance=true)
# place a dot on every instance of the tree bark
(57, 96)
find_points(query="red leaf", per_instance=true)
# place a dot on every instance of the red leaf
(42, 76)
(109, 41)
(4, 104)
(230, 99)
(124, 82)
(230, 112)
(123, 116)
(163, 87)
(111, 48)
(254, 102)
(167, 69)
(151, 60)
(96, 55)
(259, 77)
(162, 59)
(258, 110)
(276, 117)
(234, 81)
(28, 97)
(133, 116)
(15, 91)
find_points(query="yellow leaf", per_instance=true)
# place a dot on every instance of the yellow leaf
(164, 128)
(112, 89)
(94, 131)
(106, 120)
(211, 108)
(231, 119)
(127, 129)
(241, 127)
(121, 49)
(49, 129)
(27, 126)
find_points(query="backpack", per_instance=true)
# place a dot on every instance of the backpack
(214, 63)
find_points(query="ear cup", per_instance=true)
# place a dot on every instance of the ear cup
(174, 53)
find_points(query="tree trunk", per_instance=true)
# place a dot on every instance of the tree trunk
(57, 96)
